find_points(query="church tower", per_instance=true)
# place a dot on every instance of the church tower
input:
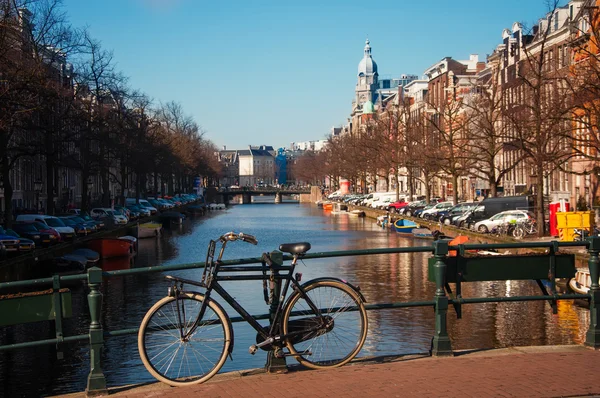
(366, 86)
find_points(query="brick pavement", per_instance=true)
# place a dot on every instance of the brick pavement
(548, 371)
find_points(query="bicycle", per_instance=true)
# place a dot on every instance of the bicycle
(527, 227)
(185, 337)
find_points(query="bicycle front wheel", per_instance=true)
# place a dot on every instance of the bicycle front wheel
(332, 339)
(182, 361)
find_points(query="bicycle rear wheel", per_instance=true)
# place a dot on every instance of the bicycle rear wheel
(328, 341)
(178, 361)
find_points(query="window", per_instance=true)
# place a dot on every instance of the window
(556, 21)
(571, 12)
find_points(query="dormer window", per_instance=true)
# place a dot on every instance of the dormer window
(556, 21)
(571, 12)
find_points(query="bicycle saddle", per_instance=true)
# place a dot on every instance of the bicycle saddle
(295, 248)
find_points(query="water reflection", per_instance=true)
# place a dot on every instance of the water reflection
(382, 278)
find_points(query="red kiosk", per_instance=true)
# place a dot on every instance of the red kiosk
(554, 208)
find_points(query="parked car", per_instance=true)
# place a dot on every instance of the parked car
(8, 243)
(29, 231)
(87, 218)
(66, 233)
(447, 216)
(25, 245)
(142, 203)
(144, 212)
(485, 226)
(108, 214)
(413, 207)
(396, 206)
(79, 226)
(430, 214)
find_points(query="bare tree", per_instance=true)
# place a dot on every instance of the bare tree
(539, 123)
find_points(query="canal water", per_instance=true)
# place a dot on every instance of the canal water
(382, 278)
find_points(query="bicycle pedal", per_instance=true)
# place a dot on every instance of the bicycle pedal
(252, 349)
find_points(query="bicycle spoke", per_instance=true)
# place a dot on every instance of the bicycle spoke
(183, 360)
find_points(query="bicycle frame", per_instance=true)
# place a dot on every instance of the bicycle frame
(211, 279)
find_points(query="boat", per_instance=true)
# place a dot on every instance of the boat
(357, 213)
(196, 209)
(172, 217)
(459, 240)
(422, 233)
(70, 262)
(328, 206)
(383, 221)
(111, 247)
(91, 256)
(405, 226)
(426, 233)
(132, 240)
(147, 230)
(581, 282)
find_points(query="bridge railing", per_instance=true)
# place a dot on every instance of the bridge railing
(445, 267)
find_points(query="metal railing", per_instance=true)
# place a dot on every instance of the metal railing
(440, 268)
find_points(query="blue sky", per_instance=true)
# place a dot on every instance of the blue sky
(275, 72)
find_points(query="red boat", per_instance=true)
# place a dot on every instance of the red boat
(111, 247)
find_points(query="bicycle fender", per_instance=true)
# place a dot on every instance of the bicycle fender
(226, 317)
(355, 288)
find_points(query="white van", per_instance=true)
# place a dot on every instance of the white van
(383, 199)
(66, 233)
(144, 203)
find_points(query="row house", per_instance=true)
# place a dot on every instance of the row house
(449, 81)
(585, 32)
(532, 71)
(248, 167)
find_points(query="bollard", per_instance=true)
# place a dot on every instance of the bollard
(592, 337)
(440, 343)
(275, 364)
(96, 384)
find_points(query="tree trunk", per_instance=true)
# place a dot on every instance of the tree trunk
(8, 193)
(455, 189)
(539, 203)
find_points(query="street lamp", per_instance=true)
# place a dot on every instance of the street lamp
(37, 186)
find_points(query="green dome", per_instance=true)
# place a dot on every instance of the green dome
(368, 107)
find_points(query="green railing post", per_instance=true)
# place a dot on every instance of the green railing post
(592, 337)
(96, 384)
(274, 363)
(440, 344)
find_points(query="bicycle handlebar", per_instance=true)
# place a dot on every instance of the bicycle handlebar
(231, 236)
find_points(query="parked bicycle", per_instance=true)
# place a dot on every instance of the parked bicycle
(186, 337)
(525, 228)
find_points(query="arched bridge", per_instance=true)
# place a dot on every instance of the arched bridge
(248, 192)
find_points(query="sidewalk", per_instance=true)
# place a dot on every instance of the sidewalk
(547, 371)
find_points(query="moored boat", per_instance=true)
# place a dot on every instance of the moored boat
(147, 230)
(357, 213)
(132, 240)
(403, 226)
(70, 262)
(197, 209)
(581, 282)
(328, 206)
(91, 256)
(422, 233)
(172, 217)
(111, 247)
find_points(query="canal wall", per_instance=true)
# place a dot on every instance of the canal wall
(581, 255)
